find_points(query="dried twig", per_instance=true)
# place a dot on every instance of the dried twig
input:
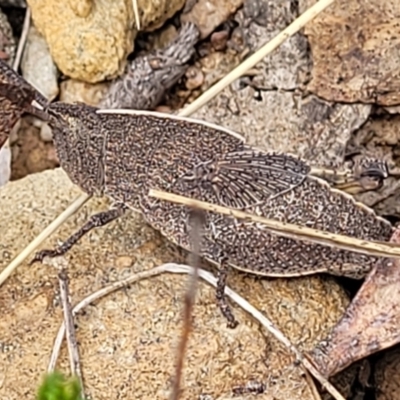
(96, 296)
(196, 224)
(70, 328)
(72, 209)
(208, 277)
(292, 29)
(22, 39)
(374, 248)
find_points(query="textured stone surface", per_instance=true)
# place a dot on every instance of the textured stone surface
(270, 109)
(209, 14)
(128, 339)
(86, 42)
(73, 90)
(8, 46)
(90, 40)
(387, 376)
(37, 65)
(356, 51)
(5, 164)
(155, 12)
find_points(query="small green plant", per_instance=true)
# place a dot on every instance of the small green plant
(56, 386)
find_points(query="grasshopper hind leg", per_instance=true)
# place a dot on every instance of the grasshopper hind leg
(220, 294)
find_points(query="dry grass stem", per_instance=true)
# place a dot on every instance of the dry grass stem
(22, 39)
(246, 65)
(208, 277)
(96, 296)
(72, 209)
(70, 328)
(136, 14)
(311, 384)
(374, 248)
(196, 227)
(250, 62)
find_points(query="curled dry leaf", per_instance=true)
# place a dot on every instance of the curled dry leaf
(370, 324)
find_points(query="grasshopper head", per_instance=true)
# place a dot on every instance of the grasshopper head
(79, 141)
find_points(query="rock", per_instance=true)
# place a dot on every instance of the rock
(73, 91)
(194, 78)
(7, 53)
(13, 138)
(45, 133)
(154, 13)
(31, 154)
(286, 68)
(355, 47)
(216, 65)
(387, 375)
(379, 138)
(87, 43)
(91, 41)
(124, 262)
(209, 14)
(13, 3)
(127, 340)
(37, 65)
(158, 39)
(269, 108)
(5, 164)
(8, 46)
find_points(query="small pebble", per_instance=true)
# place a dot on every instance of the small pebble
(5, 162)
(52, 155)
(15, 150)
(124, 262)
(195, 78)
(46, 135)
(14, 133)
(37, 65)
(164, 109)
(219, 40)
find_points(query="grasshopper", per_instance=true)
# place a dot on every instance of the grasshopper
(122, 154)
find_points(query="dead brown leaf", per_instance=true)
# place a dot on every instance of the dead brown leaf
(371, 323)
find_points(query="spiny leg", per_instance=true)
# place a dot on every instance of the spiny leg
(220, 295)
(95, 221)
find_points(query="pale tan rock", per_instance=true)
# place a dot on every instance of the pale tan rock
(89, 40)
(37, 65)
(209, 14)
(5, 164)
(90, 45)
(77, 91)
(155, 12)
(127, 340)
